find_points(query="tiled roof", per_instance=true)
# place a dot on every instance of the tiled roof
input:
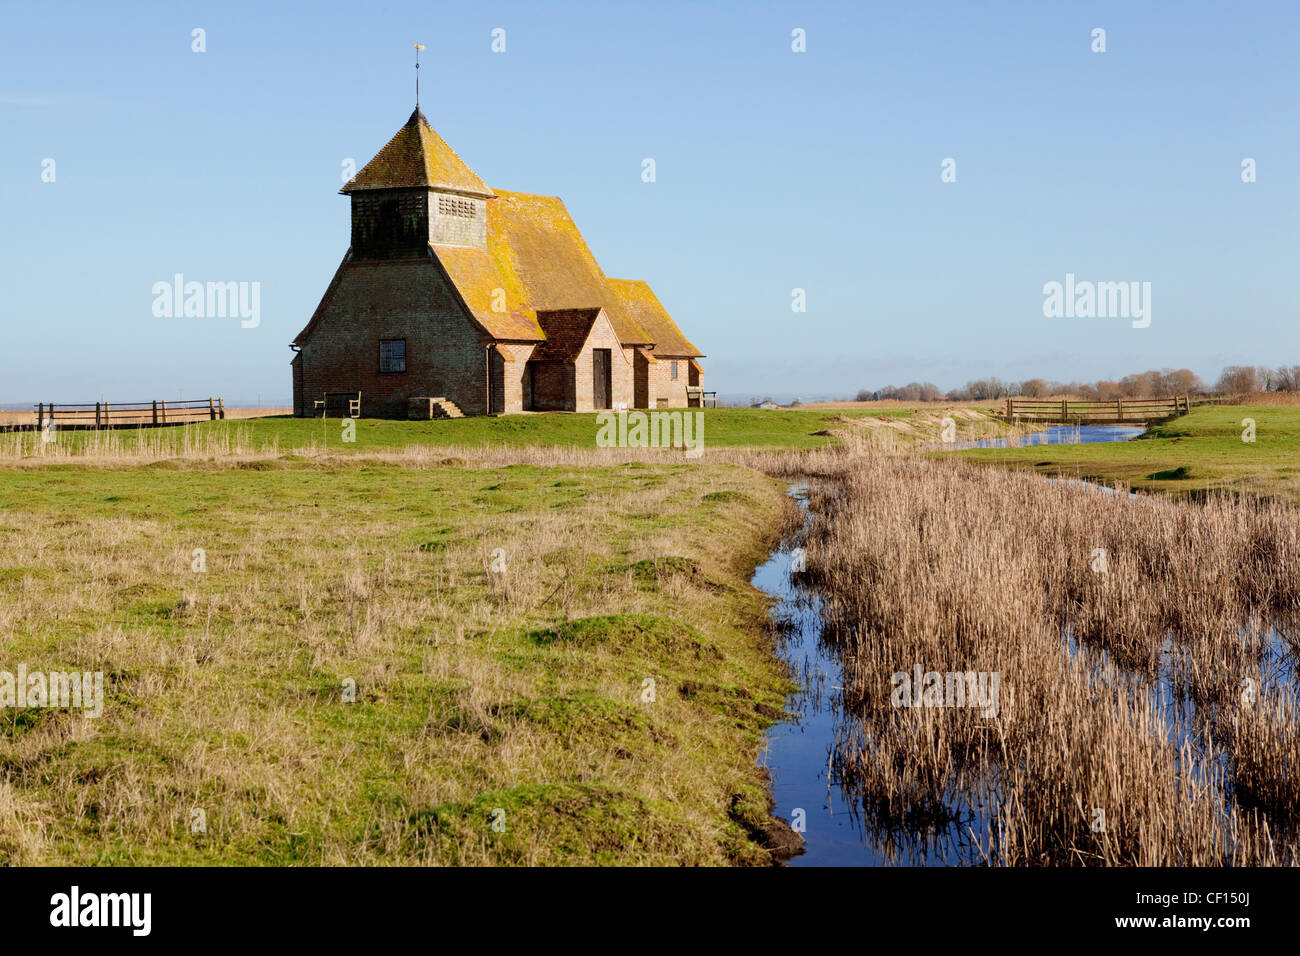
(417, 156)
(514, 353)
(566, 330)
(477, 275)
(644, 307)
(536, 239)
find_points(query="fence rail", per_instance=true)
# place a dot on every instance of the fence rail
(119, 414)
(1097, 413)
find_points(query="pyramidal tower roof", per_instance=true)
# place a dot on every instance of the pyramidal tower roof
(418, 157)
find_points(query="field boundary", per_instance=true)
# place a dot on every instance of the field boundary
(1121, 410)
(108, 415)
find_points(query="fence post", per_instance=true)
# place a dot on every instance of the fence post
(108, 414)
(221, 409)
(97, 414)
(1009, 407)
(1119, 409)
(40, 415)
(155, 411)
(164, 411)
(1065, 411)
(212, 410)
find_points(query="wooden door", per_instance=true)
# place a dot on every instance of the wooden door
(601, 373)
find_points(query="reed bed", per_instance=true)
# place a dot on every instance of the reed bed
(1147, 711)
(133, 446)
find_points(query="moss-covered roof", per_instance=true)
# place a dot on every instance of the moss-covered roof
(644, 308)
(417, 156)
(536, 239)
(477, 275)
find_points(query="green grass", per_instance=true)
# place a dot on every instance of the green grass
(523, 693)
(1187, 456)
(723, 427)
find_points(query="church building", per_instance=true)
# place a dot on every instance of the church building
(455, 298)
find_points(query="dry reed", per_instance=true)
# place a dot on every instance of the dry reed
(1145, 649)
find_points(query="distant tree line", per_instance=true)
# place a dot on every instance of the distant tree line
(1155, 383)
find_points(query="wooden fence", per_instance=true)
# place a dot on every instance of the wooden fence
(1097, 413)
(119, 414)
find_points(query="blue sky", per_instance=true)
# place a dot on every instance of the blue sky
(775, 170)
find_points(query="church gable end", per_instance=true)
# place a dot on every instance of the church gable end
(392, 330)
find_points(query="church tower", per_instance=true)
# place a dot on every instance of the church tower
(416, 191)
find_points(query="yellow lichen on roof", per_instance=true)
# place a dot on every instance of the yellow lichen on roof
(418, 157)
(536, 239)
(492, 291)
(644, 307)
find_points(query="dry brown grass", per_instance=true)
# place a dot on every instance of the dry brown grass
(128, 447)
(256, 412)
(886, 403)
(475, 691)
(957, 568)
(29, 417)
(1264, 398)
(184, 447)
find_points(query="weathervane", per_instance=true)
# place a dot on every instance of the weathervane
(418, 48)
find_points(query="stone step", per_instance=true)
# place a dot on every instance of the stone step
(432, 407)
(445, 409)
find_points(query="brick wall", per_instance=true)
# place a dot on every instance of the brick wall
(396, 299)
(667, 392)
(508, 391)
(602, 337)
(570, 386)
(552, 386)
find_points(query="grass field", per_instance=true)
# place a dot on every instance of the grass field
(276, 435)
(1189, 456)
(500, 716)
(723, 427)
(514, 699)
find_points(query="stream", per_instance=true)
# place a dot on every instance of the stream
(1055, 435)
(798, 752)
